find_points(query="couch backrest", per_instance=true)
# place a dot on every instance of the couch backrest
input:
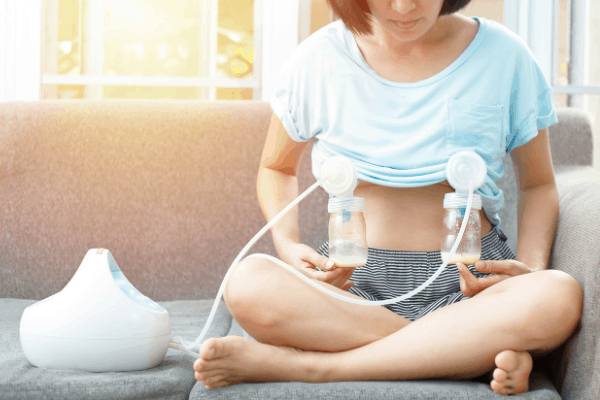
(167, 186)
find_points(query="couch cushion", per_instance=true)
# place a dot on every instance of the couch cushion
(541, 389)
(172, 379)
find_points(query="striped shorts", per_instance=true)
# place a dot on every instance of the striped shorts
(392, 273)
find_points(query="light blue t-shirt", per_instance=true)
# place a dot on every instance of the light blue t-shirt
(491, 99)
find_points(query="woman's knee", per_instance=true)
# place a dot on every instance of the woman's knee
(556, 309)
(250, 289)
(563, 292)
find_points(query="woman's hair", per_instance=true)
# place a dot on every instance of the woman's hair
(357, 15)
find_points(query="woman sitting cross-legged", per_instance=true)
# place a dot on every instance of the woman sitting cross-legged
(399, 86)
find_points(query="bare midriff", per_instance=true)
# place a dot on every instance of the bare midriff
(409, 219)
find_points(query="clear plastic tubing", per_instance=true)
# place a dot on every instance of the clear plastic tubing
(186, 347)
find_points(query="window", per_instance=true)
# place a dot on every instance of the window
(561, 34)
(229, 64)
(128, 49)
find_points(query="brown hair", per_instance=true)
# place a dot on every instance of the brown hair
(357, 15)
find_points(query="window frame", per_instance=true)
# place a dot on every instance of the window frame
(530, 19)
(269, 16)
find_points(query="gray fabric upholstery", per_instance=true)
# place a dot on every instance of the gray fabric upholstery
(169, 188)
(173, 379)
(576, 251)
(541, 389)
(166, 186)
(571, 139)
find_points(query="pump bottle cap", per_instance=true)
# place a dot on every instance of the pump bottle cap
(463, 167)
(345, 203)
(459, 199)
(341, 174)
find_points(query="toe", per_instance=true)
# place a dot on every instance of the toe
(501, 388)
(211, 349)
(507, 360)
(497, 387)
(214, 373)
(500, 375)
(212, 381)
(200, 365)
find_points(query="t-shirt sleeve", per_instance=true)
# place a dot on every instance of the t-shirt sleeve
(282, 110)
(291, 94)
(531, 107)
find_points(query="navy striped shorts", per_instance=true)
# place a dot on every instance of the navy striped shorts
(392, 273)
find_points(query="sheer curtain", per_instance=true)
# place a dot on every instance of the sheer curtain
(20, 50)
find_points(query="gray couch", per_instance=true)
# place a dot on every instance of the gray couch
(169, 188)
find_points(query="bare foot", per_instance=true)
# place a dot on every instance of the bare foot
(232, 359)
(512, 373)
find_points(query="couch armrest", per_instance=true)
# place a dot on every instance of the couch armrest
(576, 251)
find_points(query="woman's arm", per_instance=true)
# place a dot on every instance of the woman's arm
(537, 217)
(538, 201)
(277, 184)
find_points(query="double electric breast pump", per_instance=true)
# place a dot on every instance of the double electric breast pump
(101, 323)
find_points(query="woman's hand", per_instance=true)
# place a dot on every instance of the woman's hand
(502, 269)
(307, 259)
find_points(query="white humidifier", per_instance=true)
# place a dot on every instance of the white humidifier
(98, 323)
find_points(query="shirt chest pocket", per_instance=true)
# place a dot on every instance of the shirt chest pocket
(476, 127)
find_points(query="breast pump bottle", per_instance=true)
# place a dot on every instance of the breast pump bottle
(347, 229)
(465, 171)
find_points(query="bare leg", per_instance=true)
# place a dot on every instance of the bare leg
(276, 307)
(535, 313)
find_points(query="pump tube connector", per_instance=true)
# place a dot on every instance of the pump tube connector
(339, 176)
(466, 168)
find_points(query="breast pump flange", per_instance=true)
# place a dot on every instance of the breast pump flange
(466, 171)
(339, 176)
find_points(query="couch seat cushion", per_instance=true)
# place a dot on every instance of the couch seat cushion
(540, 389)
(172, 379)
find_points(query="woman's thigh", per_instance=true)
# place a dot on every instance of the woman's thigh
(549, 302)
(275, 306)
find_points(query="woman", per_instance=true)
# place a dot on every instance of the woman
(399, 86)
